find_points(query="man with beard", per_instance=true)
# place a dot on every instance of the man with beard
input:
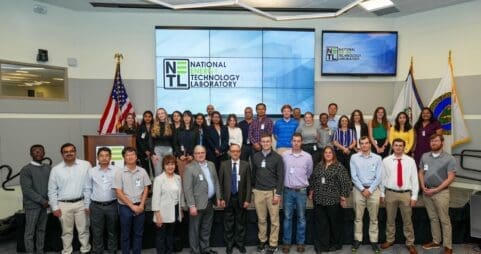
(437, 170)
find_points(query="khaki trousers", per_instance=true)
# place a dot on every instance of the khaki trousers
(393, 201)
(437, 207)
(372, 204)
(263, 203)
(73, 214)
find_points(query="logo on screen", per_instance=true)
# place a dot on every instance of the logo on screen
(176, 74)
(332, 53)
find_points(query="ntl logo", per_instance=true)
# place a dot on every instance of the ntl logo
(332, 53)
(176, 74)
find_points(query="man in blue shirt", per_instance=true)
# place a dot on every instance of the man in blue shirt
(284, 128)
(101, 202)
(332, 120)
(366, 168)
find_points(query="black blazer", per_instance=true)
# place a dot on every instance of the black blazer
(213, 142)
(144, 141)
(244, 186)
(364, 130)
(186, 138)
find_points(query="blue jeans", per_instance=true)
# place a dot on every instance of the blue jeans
(131, 225)
(294, 200)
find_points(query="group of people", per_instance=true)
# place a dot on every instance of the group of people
(199, 166)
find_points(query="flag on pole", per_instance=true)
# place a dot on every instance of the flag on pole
(118, 106)
(446, 107)
(409, 100)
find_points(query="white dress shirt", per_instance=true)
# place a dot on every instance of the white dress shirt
(67, 182)
(409, 175)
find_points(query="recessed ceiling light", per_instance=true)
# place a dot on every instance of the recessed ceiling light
(373, 5)
(21, 71)
(58, 79)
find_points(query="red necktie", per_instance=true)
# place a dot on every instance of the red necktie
(399, 173)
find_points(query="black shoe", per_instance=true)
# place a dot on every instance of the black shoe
(228, 250)
(271, 250)
(375, 248)
(242, 249)
(356, 246)
(262, 246)
(209, 252)
(332, 248)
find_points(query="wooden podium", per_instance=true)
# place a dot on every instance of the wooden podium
(91, 142)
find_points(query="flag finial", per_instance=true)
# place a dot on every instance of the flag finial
(118, 57)
(450, 53)
(412, 59)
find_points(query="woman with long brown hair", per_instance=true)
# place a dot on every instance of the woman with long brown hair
(379, 132)
(402, 129)
(357, 124)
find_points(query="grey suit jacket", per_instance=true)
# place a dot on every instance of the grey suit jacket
(243, 186)
(196, 187)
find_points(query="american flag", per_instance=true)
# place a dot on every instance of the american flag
(117, 108)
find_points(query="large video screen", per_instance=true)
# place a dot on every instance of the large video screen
(234, 68)
(359, 53)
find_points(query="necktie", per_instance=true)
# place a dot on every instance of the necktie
(234, 179)
(399, 173)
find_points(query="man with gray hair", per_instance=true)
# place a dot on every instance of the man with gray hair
(201, 189)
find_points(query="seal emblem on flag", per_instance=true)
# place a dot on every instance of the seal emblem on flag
(441, 108)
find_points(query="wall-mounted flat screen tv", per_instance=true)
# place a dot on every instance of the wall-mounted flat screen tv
(232, 68)
(359, 53)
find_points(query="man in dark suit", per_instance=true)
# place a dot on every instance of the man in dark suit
(201, 189)
(235, 186)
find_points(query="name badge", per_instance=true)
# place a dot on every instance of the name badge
(423, 133)
(263, 164)
(142, 136)
(291, 171)
(373, 168)
(248, 141)
(137, 183)
(238, 178)
(182, 148)
(104, 179)
(323, 180)
(426, 167)
(330, 132)
(314, 147)
(201, 178)
(262, 126)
